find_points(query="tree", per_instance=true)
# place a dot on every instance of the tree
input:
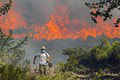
(9, 72)
(5, 8)
(104, 8)
(71, 64)
(99, 55)
(104, 56)
(10, 50)
(114, 57)
(12, 53)
(76, 58)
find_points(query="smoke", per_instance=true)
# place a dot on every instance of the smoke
(38, 11)
(35, 10)
(55, 47)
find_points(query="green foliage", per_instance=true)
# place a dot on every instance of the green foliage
(11, 50)
(98, 54)
(60, 67)
(5, 8)
(71, 64)
(102, 59)
(100, 72)
(104, 8)
(114, 57)
(59, 76)
(76, 58)
(116, 50)
(9, 72)
(102, 56)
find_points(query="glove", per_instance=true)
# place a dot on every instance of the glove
(48, 60)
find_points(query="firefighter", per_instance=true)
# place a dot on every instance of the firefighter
(44, 60)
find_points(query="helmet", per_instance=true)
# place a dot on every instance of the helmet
(43, 48)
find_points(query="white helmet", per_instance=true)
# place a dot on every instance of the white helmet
(43, 48)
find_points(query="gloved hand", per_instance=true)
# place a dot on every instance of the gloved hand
(48, 60)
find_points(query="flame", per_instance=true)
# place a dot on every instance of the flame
(12, 20)
(59, 26)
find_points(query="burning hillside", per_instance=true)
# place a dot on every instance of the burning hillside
(59, 25)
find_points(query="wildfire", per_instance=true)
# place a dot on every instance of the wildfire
(59, 26)
(13, 20)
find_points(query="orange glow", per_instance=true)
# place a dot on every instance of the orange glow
(59, 26)
(12, 20)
